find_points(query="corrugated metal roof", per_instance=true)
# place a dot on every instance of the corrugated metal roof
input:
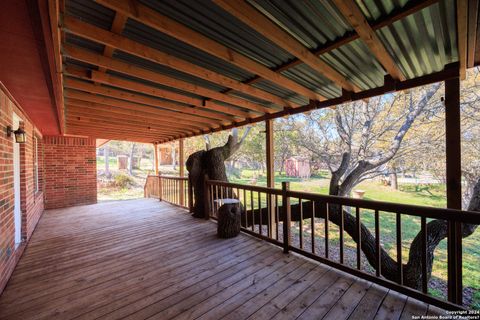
(148, 36)
(420, 44)
(91, 11)
(207, 18)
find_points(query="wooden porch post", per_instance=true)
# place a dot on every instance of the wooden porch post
(454, 186)
(155, 152)
(270, 176)
(181, 163)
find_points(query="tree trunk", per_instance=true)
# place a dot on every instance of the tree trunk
(394, 180)
(174, 160)
(229, 218)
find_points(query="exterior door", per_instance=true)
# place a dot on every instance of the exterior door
(16, 184)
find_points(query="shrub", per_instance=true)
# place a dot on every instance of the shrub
(122, 180)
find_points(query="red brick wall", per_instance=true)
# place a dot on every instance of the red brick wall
(70, 171)
(31, 200)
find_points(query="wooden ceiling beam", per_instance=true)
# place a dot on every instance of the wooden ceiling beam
(183, 33)
(106, 125)
(473, 9)
(102, 78)
(117, 26)
(54, 9)
(110, 124)
(411, 7)
(357, 20)
(165, 94)
(260, 23)
(88, 31)
(462, 17)
(100, 133)
(124, 95)
(80, 107)
(96, 107)
(141, 109)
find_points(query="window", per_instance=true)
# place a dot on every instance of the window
(35, 163)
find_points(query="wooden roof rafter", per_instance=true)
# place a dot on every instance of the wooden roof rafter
(135, 10)
(119, 42)
(355, 17)
(256, 20)
(141, 109)
(128, 96)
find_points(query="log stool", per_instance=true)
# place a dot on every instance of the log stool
(229, 218)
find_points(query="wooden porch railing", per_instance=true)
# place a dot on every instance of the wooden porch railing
(269, 212)
(171, 189)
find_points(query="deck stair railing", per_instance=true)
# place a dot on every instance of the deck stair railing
(314, 225)
(172, 189)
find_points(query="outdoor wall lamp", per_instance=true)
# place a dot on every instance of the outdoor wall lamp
(20, 136)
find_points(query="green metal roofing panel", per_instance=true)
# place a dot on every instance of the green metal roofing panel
(421, 43)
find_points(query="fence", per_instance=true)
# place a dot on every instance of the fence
(309, 224)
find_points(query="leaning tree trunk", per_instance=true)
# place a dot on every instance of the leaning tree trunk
(210, 165)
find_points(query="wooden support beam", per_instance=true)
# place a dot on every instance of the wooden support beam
(453, 143)
(260, 23)
(181, 157)
(114, 40)
(106, 131)
(129, 114)
(181, 32)
(355, 17)
(165, 94)
(410, 7)
(473, 9)
(117, 26)
(131, 70)
(74, 110)
(124, 95)
(155, 151)
(270, 157)
(54, 13)
(120, 125)
(454, 186)
(144, 110)
(462, 17)
(181, 165)
(450, 72)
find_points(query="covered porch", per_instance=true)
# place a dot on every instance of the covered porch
(144, 258)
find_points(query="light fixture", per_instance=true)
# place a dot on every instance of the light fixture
(20, 136)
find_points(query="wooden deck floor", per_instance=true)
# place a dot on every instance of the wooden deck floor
(145, 259)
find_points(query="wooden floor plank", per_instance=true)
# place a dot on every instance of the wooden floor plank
(144, 259)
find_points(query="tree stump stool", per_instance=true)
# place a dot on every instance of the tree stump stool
(229, 218)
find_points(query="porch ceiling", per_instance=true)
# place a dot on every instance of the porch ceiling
(156, 71)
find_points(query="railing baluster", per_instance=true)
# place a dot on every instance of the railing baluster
(277, 216)
(300, 224)
(359, 240)
(245, 206)
(399, 249)
(252, 211)
(342, 223)
(313, 226)
(259, 213)
(269, 216)
(327, 218)
(286, 216)
(377, 243)
(424, 254)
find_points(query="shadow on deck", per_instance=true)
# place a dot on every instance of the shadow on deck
(143, 258)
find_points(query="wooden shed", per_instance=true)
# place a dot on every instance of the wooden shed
(297, 167)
